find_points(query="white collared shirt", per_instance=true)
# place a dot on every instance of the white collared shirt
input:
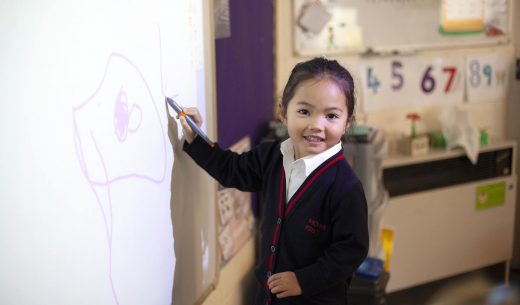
(297, 171)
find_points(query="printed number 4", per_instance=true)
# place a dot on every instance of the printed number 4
(372, 81)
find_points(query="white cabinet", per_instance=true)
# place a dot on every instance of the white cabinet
(440, 232)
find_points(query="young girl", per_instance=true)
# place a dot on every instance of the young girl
(314, 213)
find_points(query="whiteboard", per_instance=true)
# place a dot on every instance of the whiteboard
(360, 26)
(86, 162)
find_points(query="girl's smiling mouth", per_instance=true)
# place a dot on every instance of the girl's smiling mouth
(313, 139)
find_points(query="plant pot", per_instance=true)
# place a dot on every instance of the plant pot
(418, 146)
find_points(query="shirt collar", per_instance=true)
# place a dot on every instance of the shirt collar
(311, 161)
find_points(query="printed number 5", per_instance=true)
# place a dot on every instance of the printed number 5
(395, 74)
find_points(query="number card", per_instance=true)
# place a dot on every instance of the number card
(402, 81)
(487, 76)
(385, 84)
(438, 81)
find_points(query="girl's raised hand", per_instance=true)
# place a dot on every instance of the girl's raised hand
(194, 114)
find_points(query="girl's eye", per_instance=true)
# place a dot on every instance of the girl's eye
(303, 111)
(332, 116)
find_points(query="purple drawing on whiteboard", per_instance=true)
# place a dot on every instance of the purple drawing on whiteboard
(122, 116)
(119, 137)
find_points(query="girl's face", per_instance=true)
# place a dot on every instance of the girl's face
(316, 116)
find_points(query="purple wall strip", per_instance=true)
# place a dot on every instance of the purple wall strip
(245, 73)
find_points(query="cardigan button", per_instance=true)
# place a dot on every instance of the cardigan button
(279, 220)
(273, 249)
(268, 273)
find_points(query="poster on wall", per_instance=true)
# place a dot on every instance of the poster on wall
(468, 17)
(392, 82)
(487, 75)
(462, 16)
(237, 223)
(330, 27)
(326, 27)
(222, 19)
(440, 80)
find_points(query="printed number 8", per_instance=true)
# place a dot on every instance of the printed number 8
(474, 68)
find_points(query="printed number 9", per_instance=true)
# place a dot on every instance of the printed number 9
(487, 72)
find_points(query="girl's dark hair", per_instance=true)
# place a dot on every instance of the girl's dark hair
(320, 67)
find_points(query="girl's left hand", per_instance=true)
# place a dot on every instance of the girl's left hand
(284, 284)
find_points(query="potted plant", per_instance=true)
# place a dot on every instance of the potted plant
(416, 145)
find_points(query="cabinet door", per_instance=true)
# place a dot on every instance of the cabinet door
(441, 233)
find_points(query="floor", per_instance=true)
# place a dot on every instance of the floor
(482, 287)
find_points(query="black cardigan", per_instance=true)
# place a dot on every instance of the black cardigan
(321, 234)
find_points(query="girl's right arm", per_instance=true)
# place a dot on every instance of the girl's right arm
(194, 113)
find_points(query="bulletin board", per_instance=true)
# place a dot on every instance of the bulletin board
(365, 26)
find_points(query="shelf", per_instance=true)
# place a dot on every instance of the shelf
(400, 160)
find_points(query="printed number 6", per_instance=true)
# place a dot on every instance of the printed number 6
(428, 82)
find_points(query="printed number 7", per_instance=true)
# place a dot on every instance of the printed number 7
(452, 72)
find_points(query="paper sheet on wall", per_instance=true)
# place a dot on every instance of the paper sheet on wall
(337, 32)
(488, 74)
(237, 223)
(462, 16)
(411, 81)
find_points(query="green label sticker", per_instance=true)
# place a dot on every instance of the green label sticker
(491, 195)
